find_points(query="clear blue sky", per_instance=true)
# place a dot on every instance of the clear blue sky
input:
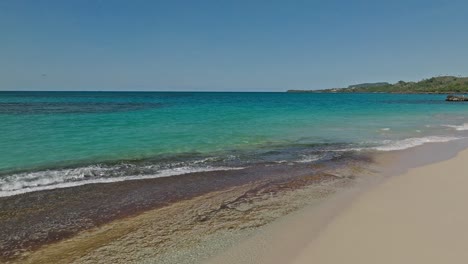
(242, 45)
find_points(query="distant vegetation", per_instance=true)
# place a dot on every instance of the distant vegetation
(438, 85)
(367, 85)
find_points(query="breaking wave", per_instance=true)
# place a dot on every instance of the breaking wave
(53, 179)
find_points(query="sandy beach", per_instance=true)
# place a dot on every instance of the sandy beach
(416, 217)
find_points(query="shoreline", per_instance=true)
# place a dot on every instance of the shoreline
(160, 235)
(240, 208)
(297, 238)
(35, 220)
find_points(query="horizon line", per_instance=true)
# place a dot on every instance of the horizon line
(145, 91)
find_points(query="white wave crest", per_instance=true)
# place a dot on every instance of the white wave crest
(309, 158)
(458, 128)
(390, 145)
(48, 180)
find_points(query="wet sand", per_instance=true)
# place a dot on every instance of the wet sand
(89, 223)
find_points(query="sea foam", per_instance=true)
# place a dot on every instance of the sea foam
(54, 179)
(458, 128)
(390, 145)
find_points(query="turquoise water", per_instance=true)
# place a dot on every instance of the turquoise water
(53, 138)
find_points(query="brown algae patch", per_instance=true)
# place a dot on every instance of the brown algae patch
(160, 235)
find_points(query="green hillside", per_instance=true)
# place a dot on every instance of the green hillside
(441, 85)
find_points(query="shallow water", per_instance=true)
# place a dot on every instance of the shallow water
(59, 139)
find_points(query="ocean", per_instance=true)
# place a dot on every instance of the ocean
(54, 140)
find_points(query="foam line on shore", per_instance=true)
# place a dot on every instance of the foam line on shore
(42, 184)
(462, 127)
(392, 145)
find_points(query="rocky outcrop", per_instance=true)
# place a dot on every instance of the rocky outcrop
(454, 98)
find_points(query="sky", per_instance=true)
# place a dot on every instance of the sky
(222, 45)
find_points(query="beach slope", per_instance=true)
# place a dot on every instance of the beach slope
(418, 217)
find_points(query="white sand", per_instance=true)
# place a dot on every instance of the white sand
(418, 217)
